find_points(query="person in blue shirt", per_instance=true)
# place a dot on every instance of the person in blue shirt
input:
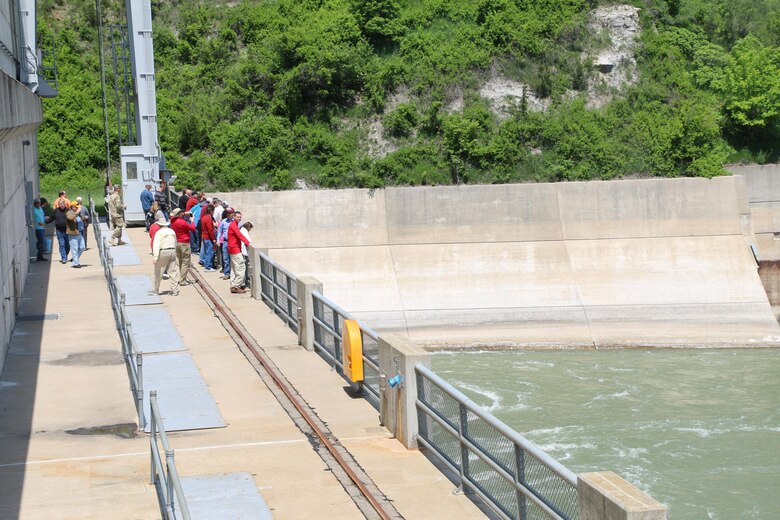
(147, 197)
(195, 211)
(40, 232)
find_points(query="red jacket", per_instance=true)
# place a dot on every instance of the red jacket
(153, 229)
(190, 203)
(235, 237)
(182, 229)
(207, 228)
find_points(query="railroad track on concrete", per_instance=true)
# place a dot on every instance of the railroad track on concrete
(358, 485)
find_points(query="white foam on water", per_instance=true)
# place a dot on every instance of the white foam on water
(492, 396)
(7, 384)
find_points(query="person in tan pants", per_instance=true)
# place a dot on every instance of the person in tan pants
(164, 253)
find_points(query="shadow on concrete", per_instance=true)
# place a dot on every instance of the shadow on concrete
(18, 386)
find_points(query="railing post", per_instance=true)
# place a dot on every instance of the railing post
(168, 480)
(255, 262)
(604, 495)
(397, 405)
(520, 479)
(306, 285)
(139, 391)
(152, 430)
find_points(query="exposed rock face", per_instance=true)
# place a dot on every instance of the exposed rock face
(504, 94)
(616, 64)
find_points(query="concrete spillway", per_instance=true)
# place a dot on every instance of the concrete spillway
(621, 263)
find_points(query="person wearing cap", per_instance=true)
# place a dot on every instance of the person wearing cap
(182, 227)
(147, 197)
(222, 230)
(40, 230)
(164, 247)
(74, 228)
(117, 211)
(237, 265)
(84, 213)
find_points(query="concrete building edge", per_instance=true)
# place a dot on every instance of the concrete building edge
(18, 126)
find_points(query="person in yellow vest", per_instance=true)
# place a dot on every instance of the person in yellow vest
(116, 209)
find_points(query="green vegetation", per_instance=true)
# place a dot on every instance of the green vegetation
(360, 93)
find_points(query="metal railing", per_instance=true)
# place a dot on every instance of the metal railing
(133, 357)
(511, 474)
(165, 477)
(328, 323)
(279, 290)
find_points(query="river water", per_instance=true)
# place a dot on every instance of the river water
(698, 430)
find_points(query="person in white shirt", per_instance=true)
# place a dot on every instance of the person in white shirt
(218, 209)
(164, 253)
(245, 229)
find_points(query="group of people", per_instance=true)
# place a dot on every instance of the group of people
(199, 225)
(71, 220)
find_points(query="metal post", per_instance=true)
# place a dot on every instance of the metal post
(168, 479)
(152, 429)
(464, 451)
(520, 480)
(139, 392)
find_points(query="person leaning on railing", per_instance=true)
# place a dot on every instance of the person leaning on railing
(237, 265)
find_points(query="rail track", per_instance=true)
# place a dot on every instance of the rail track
(358, 485)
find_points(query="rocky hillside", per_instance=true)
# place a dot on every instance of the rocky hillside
(288, 94)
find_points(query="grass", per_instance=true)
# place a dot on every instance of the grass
(50, 189)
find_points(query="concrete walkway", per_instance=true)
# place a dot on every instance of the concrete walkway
(66, 376)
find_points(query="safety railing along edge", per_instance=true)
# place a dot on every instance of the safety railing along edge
(167, 483)
(131, 354)
(332, 328)
(468, 445)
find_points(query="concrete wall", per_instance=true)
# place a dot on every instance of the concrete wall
(20, 115)
(762, 186)
(623, 263)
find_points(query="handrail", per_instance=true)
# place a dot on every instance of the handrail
(501, 451)
(512, 475)
(370, 365)
(270, 290)
(132, 355)
(168, 483)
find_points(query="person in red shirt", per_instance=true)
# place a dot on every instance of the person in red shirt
(208, 237)
(237, 264)
(182, 227)
(192, 201)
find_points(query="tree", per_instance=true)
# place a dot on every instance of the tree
(751, 85)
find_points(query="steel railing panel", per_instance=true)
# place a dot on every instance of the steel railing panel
(512, 474)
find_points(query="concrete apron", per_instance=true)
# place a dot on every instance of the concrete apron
(659, 263)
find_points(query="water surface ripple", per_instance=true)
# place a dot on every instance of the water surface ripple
(696, 429)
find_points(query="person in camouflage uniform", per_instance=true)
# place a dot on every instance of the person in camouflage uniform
(117, 211)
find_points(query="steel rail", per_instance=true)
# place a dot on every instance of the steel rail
(285, 388)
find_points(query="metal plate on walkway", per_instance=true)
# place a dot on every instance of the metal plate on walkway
(153, 329)
(138, 289)
(233, 496)
(182, 395)
(124, 255)
(108, 232)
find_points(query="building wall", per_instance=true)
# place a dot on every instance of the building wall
(20, 115)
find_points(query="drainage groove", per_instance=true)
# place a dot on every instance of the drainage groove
(356, 482)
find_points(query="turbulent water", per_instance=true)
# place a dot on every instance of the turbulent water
(699, 430)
